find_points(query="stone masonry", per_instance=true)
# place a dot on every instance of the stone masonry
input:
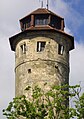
(37, 68)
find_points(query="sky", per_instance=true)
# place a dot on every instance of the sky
(10, 13)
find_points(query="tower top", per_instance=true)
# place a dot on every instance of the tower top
(41, 19)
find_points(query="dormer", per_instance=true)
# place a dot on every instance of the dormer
(42, 17)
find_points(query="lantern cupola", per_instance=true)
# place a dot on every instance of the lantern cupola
(42, 18)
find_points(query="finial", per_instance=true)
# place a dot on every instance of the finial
(41, 3)
(47, 4)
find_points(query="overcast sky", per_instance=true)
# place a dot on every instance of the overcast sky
(10, 13)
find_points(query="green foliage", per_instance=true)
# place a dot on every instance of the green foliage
(52, 104)
(79, 105)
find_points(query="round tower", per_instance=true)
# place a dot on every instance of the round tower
(41, 51)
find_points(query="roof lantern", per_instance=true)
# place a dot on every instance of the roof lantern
(42, 17)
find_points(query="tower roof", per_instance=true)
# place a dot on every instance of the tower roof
(41, 19)
(42, 11)
(14, 39)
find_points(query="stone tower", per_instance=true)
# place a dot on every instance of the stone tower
(41, 51)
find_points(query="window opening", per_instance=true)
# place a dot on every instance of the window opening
(60, 49)
(40, 46)
(55, 22)
(56, 67)
(29, 70)
(23, 48)
(41, 20)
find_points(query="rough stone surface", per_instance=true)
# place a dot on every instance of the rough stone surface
(46, 67)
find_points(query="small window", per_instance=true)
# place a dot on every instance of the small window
(29, 70)
(41, 22)
(40, 46)
(60, 49)
(41, 19)
(56, 67)
(23, 49)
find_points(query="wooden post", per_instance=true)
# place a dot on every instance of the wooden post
(62, 25)
(32, 20)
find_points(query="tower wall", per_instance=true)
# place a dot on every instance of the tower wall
(37, 68)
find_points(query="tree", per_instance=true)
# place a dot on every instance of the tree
(53, 104)
(79, 105)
